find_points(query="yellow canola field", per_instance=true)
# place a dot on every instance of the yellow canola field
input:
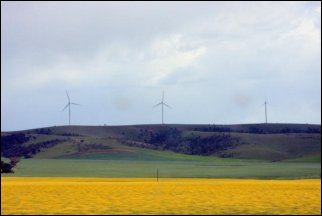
(168, 196)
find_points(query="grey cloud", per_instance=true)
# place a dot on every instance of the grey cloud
(122, 103)
(215, 60)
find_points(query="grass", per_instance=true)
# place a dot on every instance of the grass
(132, 167)
(309, 158)
(277, 146)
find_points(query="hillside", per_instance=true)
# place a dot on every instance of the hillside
(273, 151)
(270, 142)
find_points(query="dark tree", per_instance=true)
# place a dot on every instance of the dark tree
(6, 167)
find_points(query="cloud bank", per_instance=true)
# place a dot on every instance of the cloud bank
(216, 62)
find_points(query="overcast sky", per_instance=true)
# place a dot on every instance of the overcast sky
(215, 61)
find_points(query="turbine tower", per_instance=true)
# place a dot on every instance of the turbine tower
(162, 103)
(68, 105)
(265, 110)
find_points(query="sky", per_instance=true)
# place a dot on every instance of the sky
(217, 62)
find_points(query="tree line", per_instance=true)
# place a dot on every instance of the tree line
(15, 146)
(260, 129)
(172, 139)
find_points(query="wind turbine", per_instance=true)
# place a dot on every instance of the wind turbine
(162, 103)
(265, 110)
(68, 105)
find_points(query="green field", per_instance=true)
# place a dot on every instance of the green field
(101, 165)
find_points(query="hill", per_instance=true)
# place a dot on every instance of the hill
(272, 142)
(203, 151)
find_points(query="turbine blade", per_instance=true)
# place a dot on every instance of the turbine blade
(68, 96)
(66, 107)
(162, 95)
(157, 104)
(76, 104)
(167, 105)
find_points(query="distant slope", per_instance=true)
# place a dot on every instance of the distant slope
(118, 131)
(272, 142)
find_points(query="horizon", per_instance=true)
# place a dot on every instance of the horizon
(217, 62)
(170, 124)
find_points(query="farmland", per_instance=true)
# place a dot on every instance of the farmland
(146, 168)
(168, 196)
(263, 169)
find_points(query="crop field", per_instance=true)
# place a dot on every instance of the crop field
(20, 195)
(206, 167)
